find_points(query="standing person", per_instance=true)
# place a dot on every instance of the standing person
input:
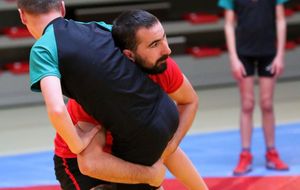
(256, 34)
(144, 48)
(81, 61)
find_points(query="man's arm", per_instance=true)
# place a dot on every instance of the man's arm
(187, 103)
(183, 169)
(94, 162)
(60, 118)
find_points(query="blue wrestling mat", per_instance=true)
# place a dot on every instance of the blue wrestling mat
(214, 154)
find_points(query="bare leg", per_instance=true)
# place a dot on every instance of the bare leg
(183, 169)
(266, 105)
(246, 88)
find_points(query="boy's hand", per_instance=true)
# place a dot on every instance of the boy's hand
(86, 132)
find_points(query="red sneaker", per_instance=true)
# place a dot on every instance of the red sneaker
(244, 165)
(274, 162)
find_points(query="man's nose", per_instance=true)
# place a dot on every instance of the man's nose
(166, 49)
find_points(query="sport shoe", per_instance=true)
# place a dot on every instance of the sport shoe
(274, 162)
(245, 163)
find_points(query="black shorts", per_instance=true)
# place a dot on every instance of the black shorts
(69, 176)
(147, 147)
(257, 64)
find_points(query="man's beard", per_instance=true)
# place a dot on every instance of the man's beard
(159, 67)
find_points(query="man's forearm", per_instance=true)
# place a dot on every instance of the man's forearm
(187, 104)
(94, 162)
(113, 169)
(187, 114)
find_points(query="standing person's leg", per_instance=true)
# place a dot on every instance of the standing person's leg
(267, 86)
(247, 101)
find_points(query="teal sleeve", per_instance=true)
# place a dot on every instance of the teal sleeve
(226, 4)
(107, 26)
(43, 60)
(281, 1)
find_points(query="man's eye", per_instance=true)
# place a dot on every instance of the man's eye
(154, 45)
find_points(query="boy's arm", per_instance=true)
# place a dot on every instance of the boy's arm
(60, 118)
(278, 63)
(237, 68)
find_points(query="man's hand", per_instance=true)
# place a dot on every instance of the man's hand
(159, 172)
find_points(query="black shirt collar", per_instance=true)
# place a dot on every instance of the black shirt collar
(53, 21)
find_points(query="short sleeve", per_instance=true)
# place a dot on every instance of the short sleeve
(226, 4)
(107, 26)
(43, 61)
(171, 79)
(281, 1)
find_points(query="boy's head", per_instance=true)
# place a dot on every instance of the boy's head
(39, 6)
(36, 14)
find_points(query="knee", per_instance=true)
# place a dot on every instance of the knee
(266, 105)
(248, 105)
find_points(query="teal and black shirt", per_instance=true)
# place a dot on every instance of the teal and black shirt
(112, 89)
(256, 25)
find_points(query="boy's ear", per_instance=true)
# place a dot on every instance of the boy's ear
(129, 54)
(63, 9)
(22, 16)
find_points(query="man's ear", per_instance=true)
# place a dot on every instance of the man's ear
(129, 54)
(22, 16)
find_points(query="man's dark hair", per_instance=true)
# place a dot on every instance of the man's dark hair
(38, 6)
(126, 25)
